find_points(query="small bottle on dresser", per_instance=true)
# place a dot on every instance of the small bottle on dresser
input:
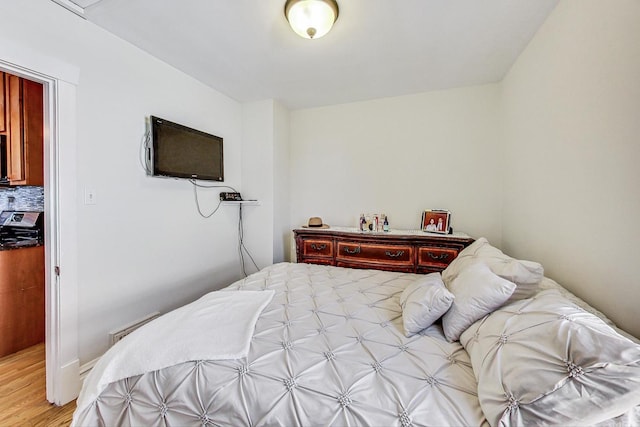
(385, 224)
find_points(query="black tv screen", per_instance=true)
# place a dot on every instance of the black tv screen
(182, 152)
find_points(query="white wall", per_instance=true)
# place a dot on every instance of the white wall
(142, 247)
(265, 172)
(282, 236)
(571, 108)
(400, 156)
(257, 173)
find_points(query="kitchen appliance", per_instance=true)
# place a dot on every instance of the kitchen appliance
(21, 228)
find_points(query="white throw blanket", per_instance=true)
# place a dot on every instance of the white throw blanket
(217, 326)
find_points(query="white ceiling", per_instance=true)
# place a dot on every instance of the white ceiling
(377, 48)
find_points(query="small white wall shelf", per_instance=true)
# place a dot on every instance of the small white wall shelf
(242, 202)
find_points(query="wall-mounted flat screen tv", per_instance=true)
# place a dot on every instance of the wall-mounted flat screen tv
(181, 152)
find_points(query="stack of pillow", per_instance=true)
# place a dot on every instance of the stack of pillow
(480, 280)
(538, 358)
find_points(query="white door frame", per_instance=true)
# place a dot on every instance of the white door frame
(61, 290)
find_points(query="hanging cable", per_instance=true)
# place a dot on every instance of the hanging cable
(194, 182)
(145, 161)
(195, 195)
(242, 248)
(240, 238)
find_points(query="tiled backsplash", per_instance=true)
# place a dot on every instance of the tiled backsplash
(25, 198)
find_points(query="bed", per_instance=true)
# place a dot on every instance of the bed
(490, 341)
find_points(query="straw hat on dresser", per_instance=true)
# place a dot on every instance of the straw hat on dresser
(315, 222)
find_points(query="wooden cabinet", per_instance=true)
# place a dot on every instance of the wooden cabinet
(3, 113)
(22, 112)
(33, 132)
(415, 252)
(15, 140)
(22, 306)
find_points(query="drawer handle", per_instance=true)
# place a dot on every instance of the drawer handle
(396, 255)
(352, 251)
(318, 247)
(440, 257)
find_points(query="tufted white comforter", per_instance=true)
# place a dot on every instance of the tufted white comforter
(329, 349)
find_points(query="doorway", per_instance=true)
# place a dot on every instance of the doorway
(22, 203)
(59, 82)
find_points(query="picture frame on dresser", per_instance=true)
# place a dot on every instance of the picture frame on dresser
(436, 221)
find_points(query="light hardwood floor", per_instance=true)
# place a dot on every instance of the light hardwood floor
(22, 392)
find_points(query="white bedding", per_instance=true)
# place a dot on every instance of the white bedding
(217, 326)
(544, 360)
(329, 349)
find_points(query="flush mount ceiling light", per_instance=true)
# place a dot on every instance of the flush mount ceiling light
(311, 19)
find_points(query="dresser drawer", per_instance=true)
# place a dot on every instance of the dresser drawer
(317, 248)
(397, 255)
(435, 257)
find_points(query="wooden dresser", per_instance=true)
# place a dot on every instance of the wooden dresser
(408, 251)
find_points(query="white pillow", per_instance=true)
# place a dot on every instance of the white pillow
(525, 274)
(477, 291)
(423, 302)
(544, 361)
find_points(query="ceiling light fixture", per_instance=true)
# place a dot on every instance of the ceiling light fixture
(311, 19)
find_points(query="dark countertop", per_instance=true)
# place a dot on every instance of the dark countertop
(10, 247)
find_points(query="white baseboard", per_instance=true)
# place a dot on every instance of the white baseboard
(86, 368)
(69, 384)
